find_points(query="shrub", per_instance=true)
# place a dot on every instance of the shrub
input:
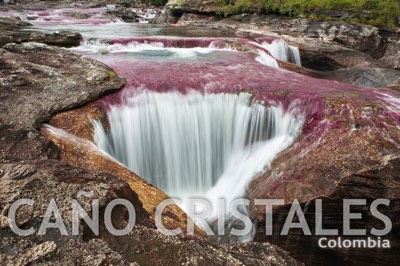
(158, 2)
(381, 12)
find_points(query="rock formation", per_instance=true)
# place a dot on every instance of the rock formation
(10, 32)
(38, 81)
(324, 45)
(348, 149)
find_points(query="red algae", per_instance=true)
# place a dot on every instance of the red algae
(391, 114)
(235, 72)
(179, 42)
(169, 41)
(331, 111)
(346, 129)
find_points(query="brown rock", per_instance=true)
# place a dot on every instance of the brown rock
(84, 154)
(126, 14)
(351, 152)
(79, 122)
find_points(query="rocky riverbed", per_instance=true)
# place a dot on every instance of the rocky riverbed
(348, 147)
(38, 81)
(352, 53)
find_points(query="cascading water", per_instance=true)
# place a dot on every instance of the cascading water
(154, 48)
(283, 51)
(189, 143)
(196, 144)
(193, 47)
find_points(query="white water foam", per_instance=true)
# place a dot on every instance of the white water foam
(155, 48)
(266, 59)
(283, 51)
(149, 48)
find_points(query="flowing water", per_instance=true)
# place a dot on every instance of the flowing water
(186, 120)
(197, 145)
(283, 51)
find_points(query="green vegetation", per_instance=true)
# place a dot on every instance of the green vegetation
(375, 12)
(111, 74)
(158, 2)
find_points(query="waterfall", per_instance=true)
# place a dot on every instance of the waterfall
(171, 47)
(196, 144)
(283, 51)
(266, 59)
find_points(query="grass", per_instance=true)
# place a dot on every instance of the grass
(383, 13)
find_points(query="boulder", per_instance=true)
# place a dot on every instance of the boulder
(126, 14)
(356, 36)
(167, 17)
(324, 56)
(52, 74)
(29, 165)
(366, 77)
(391, 57)
(12, 23)
(62, 39)
(42, 181)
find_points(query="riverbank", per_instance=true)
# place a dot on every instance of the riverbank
(352, 53)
